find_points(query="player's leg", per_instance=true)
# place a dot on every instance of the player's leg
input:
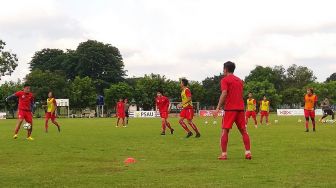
(118, 122)
(167, 124)
(184, 126)
(123, 121)
(332, 114)
(17, 127)
(227, 122)
(312, 117)
(325, 114)
(247, 116)
(306, 114)
(267, 118)
(163, 124)
(261, 117)
(46, 122)
(243, 131)
(53, 120)
(29, 119)
(254, 116)
(190, 116)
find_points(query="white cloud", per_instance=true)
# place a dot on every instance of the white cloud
(190, 38)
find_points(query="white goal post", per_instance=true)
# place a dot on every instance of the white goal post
(64, 103)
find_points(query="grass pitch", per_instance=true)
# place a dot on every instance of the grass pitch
(90, 153)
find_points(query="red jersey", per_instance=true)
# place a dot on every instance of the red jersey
(162, 103)
(234, 86)
(120, 107)
(25, 100)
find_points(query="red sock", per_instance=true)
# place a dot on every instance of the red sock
(246, 139)
(307, 124)
(46, 125)
(261, 119)
(255, 121)
(163, 126)
(313, 122)
(224, 141)
(193, 126)
(184, 126)
(168, 125)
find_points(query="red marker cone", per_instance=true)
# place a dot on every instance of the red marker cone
(129, 160)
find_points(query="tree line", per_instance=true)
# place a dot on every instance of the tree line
(95, 68)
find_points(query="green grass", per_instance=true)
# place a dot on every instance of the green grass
(90, 153)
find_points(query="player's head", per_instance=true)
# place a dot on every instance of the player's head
(250, 95)
(184, 82)
(265, 97)
(50, 94)
(26, 88)
(125, 100)
(229, 67)
(121, 100)
(310, 91)
(159, 93)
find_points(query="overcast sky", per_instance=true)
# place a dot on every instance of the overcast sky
(179, 38)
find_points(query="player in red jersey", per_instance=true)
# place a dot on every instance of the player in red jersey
(232, 98)
(310, 101)
(25, 107)
(187, 110)
(120, 109)
(163, 106)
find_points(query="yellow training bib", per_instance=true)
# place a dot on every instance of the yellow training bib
(51, 105)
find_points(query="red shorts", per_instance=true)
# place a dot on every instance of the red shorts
(231, 117)
(251, 113)
(50, 115)
(264, 113)
(26, 115)
(121, 115)
(164, 115)
(187, 113)
(309, 113)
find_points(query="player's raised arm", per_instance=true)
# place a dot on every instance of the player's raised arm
(11, 97)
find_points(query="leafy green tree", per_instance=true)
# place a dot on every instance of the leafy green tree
(7, 89)
(101, 62)
(332, 77)
(212, 90)
(48, 59)
(323, 90)
(198, 91)
(275, 75)
(259, 89)
(83, 93)
(43, 82)
(117, 91)
(299, 76)
(292, 96)
(8, 60)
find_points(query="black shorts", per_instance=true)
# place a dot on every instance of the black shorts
(328, 112)
(126, 114)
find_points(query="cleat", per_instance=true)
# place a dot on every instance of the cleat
(117, 126)
(124, 126)
(30, 138)
(307, 130)
(163, 133)
(198, 135)
(222, 157)
(15, 136)
(189, 134)
(59, 129)
(248, 156)
(172, 131)
(256, 126)
(314, 129)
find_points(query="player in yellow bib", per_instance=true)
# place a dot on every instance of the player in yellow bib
(251, 107)
(264, 110)
(51, 112)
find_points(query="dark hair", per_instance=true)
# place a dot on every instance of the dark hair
(26, 85)
(230, 66)
(311, 90)
(52, 93)
(184, 81)
(160, 91)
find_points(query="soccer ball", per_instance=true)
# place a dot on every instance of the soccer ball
(206, 122)
(26, 126)
(299, 121)
(215, 122)
(276, 121)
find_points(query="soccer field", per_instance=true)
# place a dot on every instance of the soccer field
(90, 153)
